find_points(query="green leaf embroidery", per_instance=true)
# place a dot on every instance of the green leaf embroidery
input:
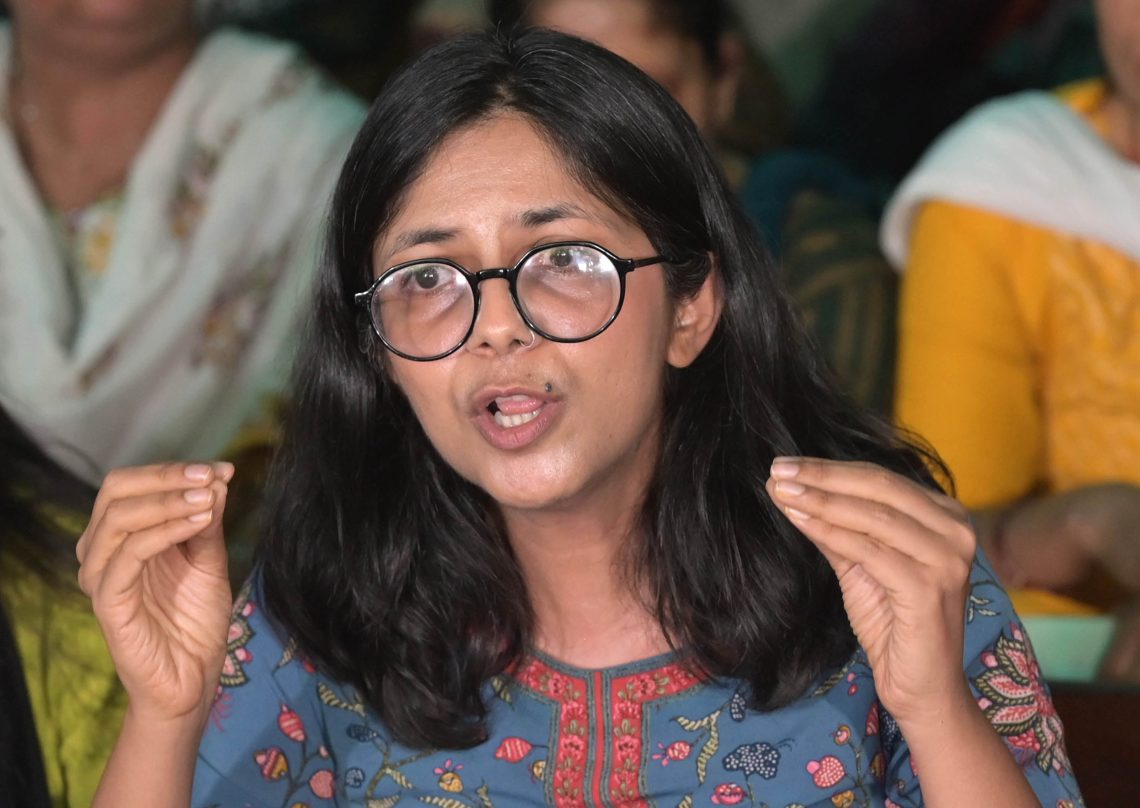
(383, 802)
(709, 749)
(445, 802)
(834, 679)
(689, 725)
(502, 688)
(687, 802)
(397, 775)
(288, 654)
(485, 796)
(330, 698)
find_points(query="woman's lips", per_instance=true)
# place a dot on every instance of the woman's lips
(514, 419)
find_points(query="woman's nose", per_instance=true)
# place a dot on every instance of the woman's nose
(499, 327)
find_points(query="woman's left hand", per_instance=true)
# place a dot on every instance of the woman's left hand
(903, 555)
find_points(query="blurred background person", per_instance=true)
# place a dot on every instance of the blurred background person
(59, 695)
(160, 191)
(817, 218)
(1020, 330)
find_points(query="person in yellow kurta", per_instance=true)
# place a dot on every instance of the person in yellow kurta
(74, 695)
(1019, 238)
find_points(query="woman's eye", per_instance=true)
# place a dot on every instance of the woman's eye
(426, 277)
(561, 257)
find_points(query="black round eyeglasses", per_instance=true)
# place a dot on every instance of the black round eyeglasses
(568, 291)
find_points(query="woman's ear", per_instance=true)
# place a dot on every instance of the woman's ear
(695, 320)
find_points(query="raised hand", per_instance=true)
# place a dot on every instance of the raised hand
(153, 562)
(903, 555)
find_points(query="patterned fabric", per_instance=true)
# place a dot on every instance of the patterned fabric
(74, 691)
(1019, 340)
(648, 733)
(158, 323)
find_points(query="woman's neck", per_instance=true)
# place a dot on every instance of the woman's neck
(587, 611)
(80, 126)
(1123, 121)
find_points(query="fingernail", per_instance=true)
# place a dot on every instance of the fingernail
(789, 488)
(799, 516)
(198, 496)
(197, 471)
(784, 469)
(224, 470)
(204, 516)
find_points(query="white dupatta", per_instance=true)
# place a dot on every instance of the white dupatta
(194, 322)
(1031, 158)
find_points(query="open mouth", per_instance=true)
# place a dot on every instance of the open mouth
(514, 411)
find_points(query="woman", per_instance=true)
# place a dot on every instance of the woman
(816, 217)
(543, 540)
(157, 196)
(1020, 336)
(61, 700)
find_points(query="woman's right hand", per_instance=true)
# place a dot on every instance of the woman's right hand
(153, 562)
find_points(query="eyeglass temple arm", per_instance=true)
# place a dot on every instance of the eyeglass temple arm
(635, 263)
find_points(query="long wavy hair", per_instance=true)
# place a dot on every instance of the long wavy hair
(395, 575)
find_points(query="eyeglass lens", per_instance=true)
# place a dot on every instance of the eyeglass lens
(567, 292)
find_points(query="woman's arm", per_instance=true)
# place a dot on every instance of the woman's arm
(153, 561)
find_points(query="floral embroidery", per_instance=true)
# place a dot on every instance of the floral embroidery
(238, 655)
(449, 779)
(573, 725)
(237, 638)
(678, 750)
(274, 765)
(728, 794)
(236, 313)
(1014, 699)
(193, 189)
(626, 712)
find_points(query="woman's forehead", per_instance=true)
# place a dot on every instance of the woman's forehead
(495, 175)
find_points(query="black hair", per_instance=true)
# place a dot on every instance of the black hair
(395, 575)
(34, 492)
(704, 21)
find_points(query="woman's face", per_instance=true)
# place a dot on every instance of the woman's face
(119, 30)
(591, 409)
(630, 29)
(1119, 23)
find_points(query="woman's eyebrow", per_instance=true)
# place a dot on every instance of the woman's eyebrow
(425, 235)
(552, 213)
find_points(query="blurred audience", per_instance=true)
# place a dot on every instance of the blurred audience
(59, 695)
(876, 110)
(1020, 328)
(694, 49)
(818, 218)
(160, 198)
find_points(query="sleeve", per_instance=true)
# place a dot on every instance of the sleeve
(1007, 683)
(265, 745)
(967, 376)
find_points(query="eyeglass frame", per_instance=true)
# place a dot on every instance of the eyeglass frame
(624, 266)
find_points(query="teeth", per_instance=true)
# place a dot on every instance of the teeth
(506, 421)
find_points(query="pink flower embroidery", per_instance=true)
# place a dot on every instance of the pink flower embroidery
(728, 794)
(1014, 699)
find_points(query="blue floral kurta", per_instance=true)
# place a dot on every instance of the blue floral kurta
(650, 733)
